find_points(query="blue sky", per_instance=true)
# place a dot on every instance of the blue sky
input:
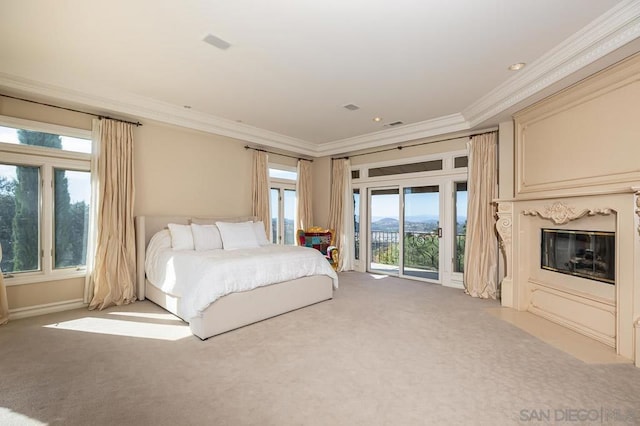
(421, 204)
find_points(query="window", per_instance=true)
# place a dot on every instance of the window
(356, 223)
(45, 192)
(424, 166)
(461, 225)
(283, 204)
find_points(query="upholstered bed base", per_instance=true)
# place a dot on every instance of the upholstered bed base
(234, 310)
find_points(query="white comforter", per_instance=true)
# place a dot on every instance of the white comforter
(199, 278)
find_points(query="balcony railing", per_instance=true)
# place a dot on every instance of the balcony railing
(421, 249)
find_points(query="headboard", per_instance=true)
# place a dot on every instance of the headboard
(148, 226)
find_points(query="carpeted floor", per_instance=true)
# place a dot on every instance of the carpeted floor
(382, 352)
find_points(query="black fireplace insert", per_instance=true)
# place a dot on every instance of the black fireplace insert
(586, 254)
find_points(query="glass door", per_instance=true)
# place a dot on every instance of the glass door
(421, 232)
(384, 230)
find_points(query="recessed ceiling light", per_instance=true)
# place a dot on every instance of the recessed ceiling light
(377, 119)
(516, 67)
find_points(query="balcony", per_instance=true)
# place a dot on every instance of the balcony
(421, 252)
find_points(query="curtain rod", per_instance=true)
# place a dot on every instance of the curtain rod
(137, 124)
(276, 153)
(401, 147)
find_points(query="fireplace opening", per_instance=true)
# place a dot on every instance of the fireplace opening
(586, 254)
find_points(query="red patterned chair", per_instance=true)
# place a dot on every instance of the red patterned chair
(320, 239)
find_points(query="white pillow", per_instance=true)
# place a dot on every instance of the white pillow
(206, 237)
(181, 237)
(261, 237)
(237, 235)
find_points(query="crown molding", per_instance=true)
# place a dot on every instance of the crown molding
(137, 107)
(423, 129)
(612, 30)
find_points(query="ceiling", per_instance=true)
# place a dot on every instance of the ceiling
(438, 67)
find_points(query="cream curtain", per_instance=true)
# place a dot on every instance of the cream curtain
(481, 247)
(260, 189)
(341, 211)
(114, 271)
(304, 213)
(4, 303)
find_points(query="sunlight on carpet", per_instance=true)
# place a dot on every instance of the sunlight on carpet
(9, 417)
(125, 328)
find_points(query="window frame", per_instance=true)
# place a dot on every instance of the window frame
(281, 185)
(46, 159)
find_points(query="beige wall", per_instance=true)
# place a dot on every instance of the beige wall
(27, 295)
(185, 172)
(177, 171)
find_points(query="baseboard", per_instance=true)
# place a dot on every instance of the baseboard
(48, 308)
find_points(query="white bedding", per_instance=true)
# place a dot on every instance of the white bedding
(199, 278)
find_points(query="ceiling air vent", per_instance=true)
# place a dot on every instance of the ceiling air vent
(216, 41)
(351, 107)
(395, 123)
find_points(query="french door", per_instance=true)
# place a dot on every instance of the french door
(405, 231)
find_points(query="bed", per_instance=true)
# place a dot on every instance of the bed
(233, 310)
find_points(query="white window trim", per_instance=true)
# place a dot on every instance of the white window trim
(47, 159)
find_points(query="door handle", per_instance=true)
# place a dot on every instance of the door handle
(439, 232)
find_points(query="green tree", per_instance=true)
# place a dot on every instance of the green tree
(25, 222)
(7, 212)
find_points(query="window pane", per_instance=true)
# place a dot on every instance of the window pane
(72, 191)
(460, 162)
(283, 174)
(461, 225)
(275, 206)
(289, 216)
(19, 224)
(47, 140)
(356, 223)
(425, 166)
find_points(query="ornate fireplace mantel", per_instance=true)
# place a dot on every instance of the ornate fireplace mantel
(559, 213)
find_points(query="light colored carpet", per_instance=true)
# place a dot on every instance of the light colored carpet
(382, 352)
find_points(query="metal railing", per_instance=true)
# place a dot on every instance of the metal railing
(421, 249)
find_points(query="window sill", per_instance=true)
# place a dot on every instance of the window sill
(40, 277)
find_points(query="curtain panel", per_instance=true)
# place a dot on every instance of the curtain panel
(114, 266)
(481, 246)
(341, 211)
(304, 212)
(260, 189)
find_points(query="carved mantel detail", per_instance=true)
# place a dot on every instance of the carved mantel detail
(559, 213)
(504, 226)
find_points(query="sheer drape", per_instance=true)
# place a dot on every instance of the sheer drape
(114, 269)
(341, 211)
(4, 303)
(481, 249)
(304, 213)
(260, 189)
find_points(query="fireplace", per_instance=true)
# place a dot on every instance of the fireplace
(585, 254)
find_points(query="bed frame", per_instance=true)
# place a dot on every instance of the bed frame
(234, 310)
